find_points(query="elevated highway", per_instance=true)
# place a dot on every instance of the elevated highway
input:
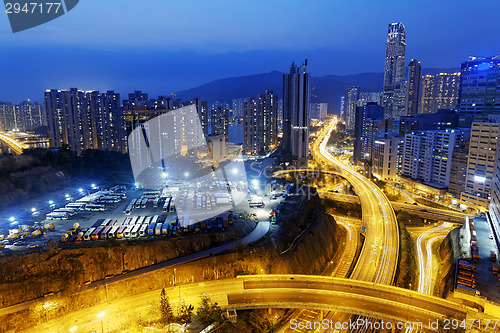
(12, 145)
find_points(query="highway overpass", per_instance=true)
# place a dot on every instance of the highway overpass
(9, 145)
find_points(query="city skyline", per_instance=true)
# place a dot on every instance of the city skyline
(179, 55)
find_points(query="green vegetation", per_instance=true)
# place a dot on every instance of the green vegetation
(412, 220)
(209, 312)
(166, 313)
(342, 208)
(406, 273)
(93, 164)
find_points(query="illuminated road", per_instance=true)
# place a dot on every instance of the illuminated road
(426, 264)
(275, 291)
(379, 256)
(15, 146)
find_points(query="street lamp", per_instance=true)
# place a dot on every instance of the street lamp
(12, 219)
(100, 315)
(73, 329)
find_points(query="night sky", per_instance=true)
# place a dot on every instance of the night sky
(162, 46)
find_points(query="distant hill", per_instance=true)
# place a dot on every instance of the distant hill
(327, 88)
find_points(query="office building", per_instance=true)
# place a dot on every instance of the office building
(481, 163)
(447, 91)
(364, 129)
(479, 90)
(350, 110)
(394, 97)
(427, 99)
(296, 111)
(427, 156)
(387, 157)
(369, 97)
(414, 78)
(260, 131)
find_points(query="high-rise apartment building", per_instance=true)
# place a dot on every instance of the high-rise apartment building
(85, 120)
(219, 121)
(260, 131)
(414, 78)
(394, 98)
(363, 130)
(447, 91)
(238, 108)
(25, 116)
(296, 111)
(479, 89)
(427, 155)
(350, 109)
(481, 163)
(387, 157)
(427, 99)
(318, 111)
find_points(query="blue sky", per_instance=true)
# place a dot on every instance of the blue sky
(162, 46)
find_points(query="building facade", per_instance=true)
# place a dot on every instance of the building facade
(350, 109)
(318, 111)
(427, 99)
(260, 130)
(447, 91)
(394, 87)
(414, 79)
(427, 155)
(481, 163)
(387, 157)
(296, 111)
(479, 90)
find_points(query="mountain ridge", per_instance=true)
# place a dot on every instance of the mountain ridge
(327, 88)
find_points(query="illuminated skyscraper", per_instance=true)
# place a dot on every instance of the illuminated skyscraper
(260, 131)
(447, 91)
(414, 78)
(427, 100)
(479, 89)
(352, 102)
(394, 86)
(296, 111)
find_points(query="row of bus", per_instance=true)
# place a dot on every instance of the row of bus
(142, 202)
(71, 209)
(142, 226)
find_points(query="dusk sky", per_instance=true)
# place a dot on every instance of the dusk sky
(163, 46)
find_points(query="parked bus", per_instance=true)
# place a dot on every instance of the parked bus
(185, 223)
(151, 229)
(156, 202)
(120, 232)
(158, 229)
(128, 231)
(128, 210)
(133, 220)
(166, 205)
(112, 232)
(155, 218)
(127, 221)
(76, 205)
(137, 203)
(104, 232)
(135, 230)
(105, 222)
(57, 216)
(152, 194)
(144, 202)
(87, 235)
(171, 206)
(95, 234)
(69, 211)
(494, 267)
(100, 208)
(139, 220)
(164, 228)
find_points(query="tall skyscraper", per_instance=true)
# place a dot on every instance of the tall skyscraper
(260, 131)
(414, 78)
(427, 100)
(447, 91)
(350, 113)
(394, 105)
(296, 110)
(480, 89)
(238, 108)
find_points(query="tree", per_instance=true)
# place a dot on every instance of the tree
(208, 311)
(184, 313)
(166, 312)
